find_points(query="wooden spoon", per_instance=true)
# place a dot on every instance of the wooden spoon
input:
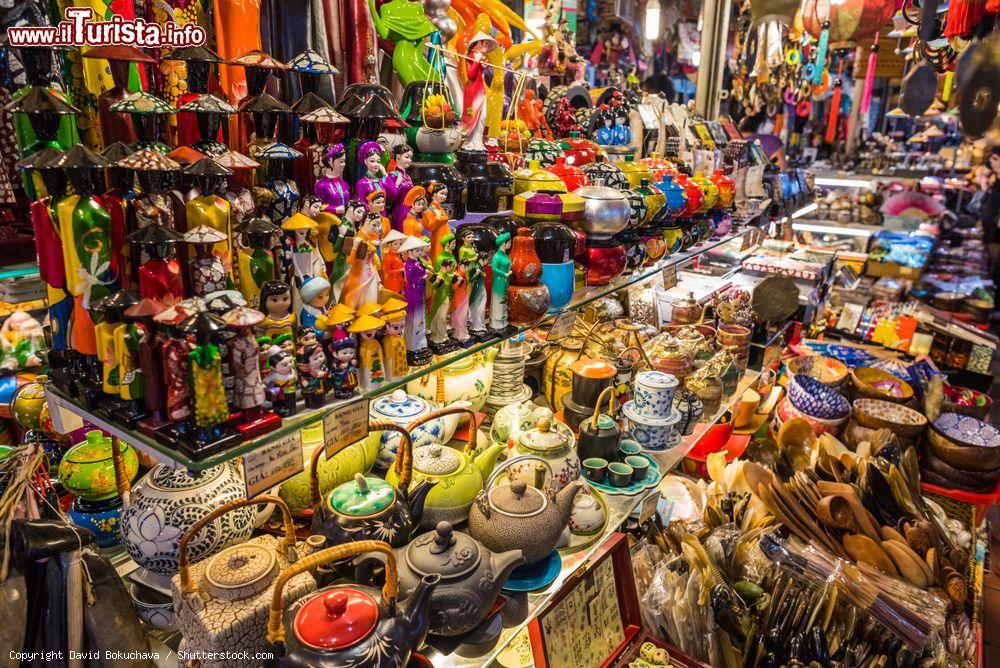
(835, 511)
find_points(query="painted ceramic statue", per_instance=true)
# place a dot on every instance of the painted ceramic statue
(371, 363)
(332, 189)
(276, 305)
(469, 257)
(303, 257)
(376, 207)
(343, 364)
(394, 346)
(281, 381)
(392, 262)
(479, 76)
(405, 24)
(363, 280)
(500, 270)
(373, 173)
(415, 295)
(341, 238)
(436, 217)
(398, 184)
(315, 293)
(415, 204)
(443, 283)
(312, 373)
(460, 303)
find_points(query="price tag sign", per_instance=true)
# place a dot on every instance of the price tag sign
(346, 424)
(273, 464)
(649, 506)
(669, 276)
(562, 327)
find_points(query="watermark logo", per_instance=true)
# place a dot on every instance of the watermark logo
(80, 27)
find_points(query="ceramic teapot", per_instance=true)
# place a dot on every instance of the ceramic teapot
(402, 409)
(465, 379)
(167, 502)
(356, 458)
(460, 473)
(600, 434)
(369, 508)
(349, 625)
(553, 442)
(517, 516)
(221, 603)
(471, 576)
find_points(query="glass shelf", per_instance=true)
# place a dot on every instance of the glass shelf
(619, 510)
(581, 298)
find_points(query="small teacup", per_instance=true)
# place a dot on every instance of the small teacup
(628, 448)
(619, 475)
(640, 466)
(595, 468)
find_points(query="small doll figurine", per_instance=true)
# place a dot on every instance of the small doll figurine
(276, 305)
(479, 75)
(341, 238)
(363, 280)
(398, 184)
(325, 221)
(605, 134)
(621, 132)
(259, 245)
(436, 217)
(244, 366)
(371, 364)
(281, 381)
(303, 256)
(332, 189)
(476, 276)
(315, 294)
(343, 364)
(443, 282)
(312, 374)
(415, 294)
(460, 300)
(394, 346)
(373, 173)
(500, 270)
(392, 262)
(206, 270)
(376, 205)
(415, 203)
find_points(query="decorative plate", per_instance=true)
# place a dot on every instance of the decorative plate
(535, 576)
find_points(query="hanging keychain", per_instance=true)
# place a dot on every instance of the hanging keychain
(831, 126)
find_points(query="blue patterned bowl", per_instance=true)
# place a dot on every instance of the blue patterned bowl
(965, 442)
(816, 399)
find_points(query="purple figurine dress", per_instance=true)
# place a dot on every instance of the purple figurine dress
(397, 184)
(370, 156)
(415, 294)
(332, 189)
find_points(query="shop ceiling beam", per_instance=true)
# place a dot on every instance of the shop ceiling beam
(714, 40)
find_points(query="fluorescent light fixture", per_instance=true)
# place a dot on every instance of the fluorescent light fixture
(808, 208)
(652, 19)
(830, 229)
(843, 183)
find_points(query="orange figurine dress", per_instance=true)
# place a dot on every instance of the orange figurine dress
(436, 223)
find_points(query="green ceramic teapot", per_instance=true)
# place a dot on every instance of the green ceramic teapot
(87, 469)
(460, 473)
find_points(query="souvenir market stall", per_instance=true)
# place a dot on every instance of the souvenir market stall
(398, 334)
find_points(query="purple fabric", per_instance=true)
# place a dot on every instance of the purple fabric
(366, 185)
(415, 290)
(333, 192)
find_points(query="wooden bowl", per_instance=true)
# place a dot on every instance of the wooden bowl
(952, 392)
(879, 414)
(964, 442)
(826, 370)
(871, 383)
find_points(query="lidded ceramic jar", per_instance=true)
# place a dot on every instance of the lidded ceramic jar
(574, 177)
(654, 199)
(556, 245)
(534, 206)
(666, 354)
(533, 177)
(87, 469)
(694, 193)
(635, 172)
(710, 190)
(605, 259)
(578, 150)
(687, 311)
(603, 173)
(727, 189)
(588, 516)
(545, 151)
(675, 194)
(401, 409)
(528, 298)
(552, 442)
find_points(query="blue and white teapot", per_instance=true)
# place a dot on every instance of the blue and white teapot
(402, 409)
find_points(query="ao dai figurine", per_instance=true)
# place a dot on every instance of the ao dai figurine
(312, 374)
(398, 185)
(315, 293)
(206, 270)
(281, 381)
(276, 304)
(373, 175)
(363, 281)
(304, 258)
(371, 363)
(460, 301)
(392, 262)
(343, 364)
(500, 270)
(332, 189)
(476, 276)
(325, 221)
(394, 346)
(244, 362)
(435, 217)
(415, 295)
(341, 239)
(443, 282)
(479, 75)
(415, 204)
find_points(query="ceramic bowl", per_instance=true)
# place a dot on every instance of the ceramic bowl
(878, 414)
(653, 395)
(155, 609)
(871, 383)
(733, 335)
(816, 399)
(653, 435)
(824, 369)
(965, 442)
(786, 410)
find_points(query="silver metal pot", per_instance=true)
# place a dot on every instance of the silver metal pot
(605, 211)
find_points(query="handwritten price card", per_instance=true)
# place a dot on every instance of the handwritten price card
(346, 424)
(273, 464)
